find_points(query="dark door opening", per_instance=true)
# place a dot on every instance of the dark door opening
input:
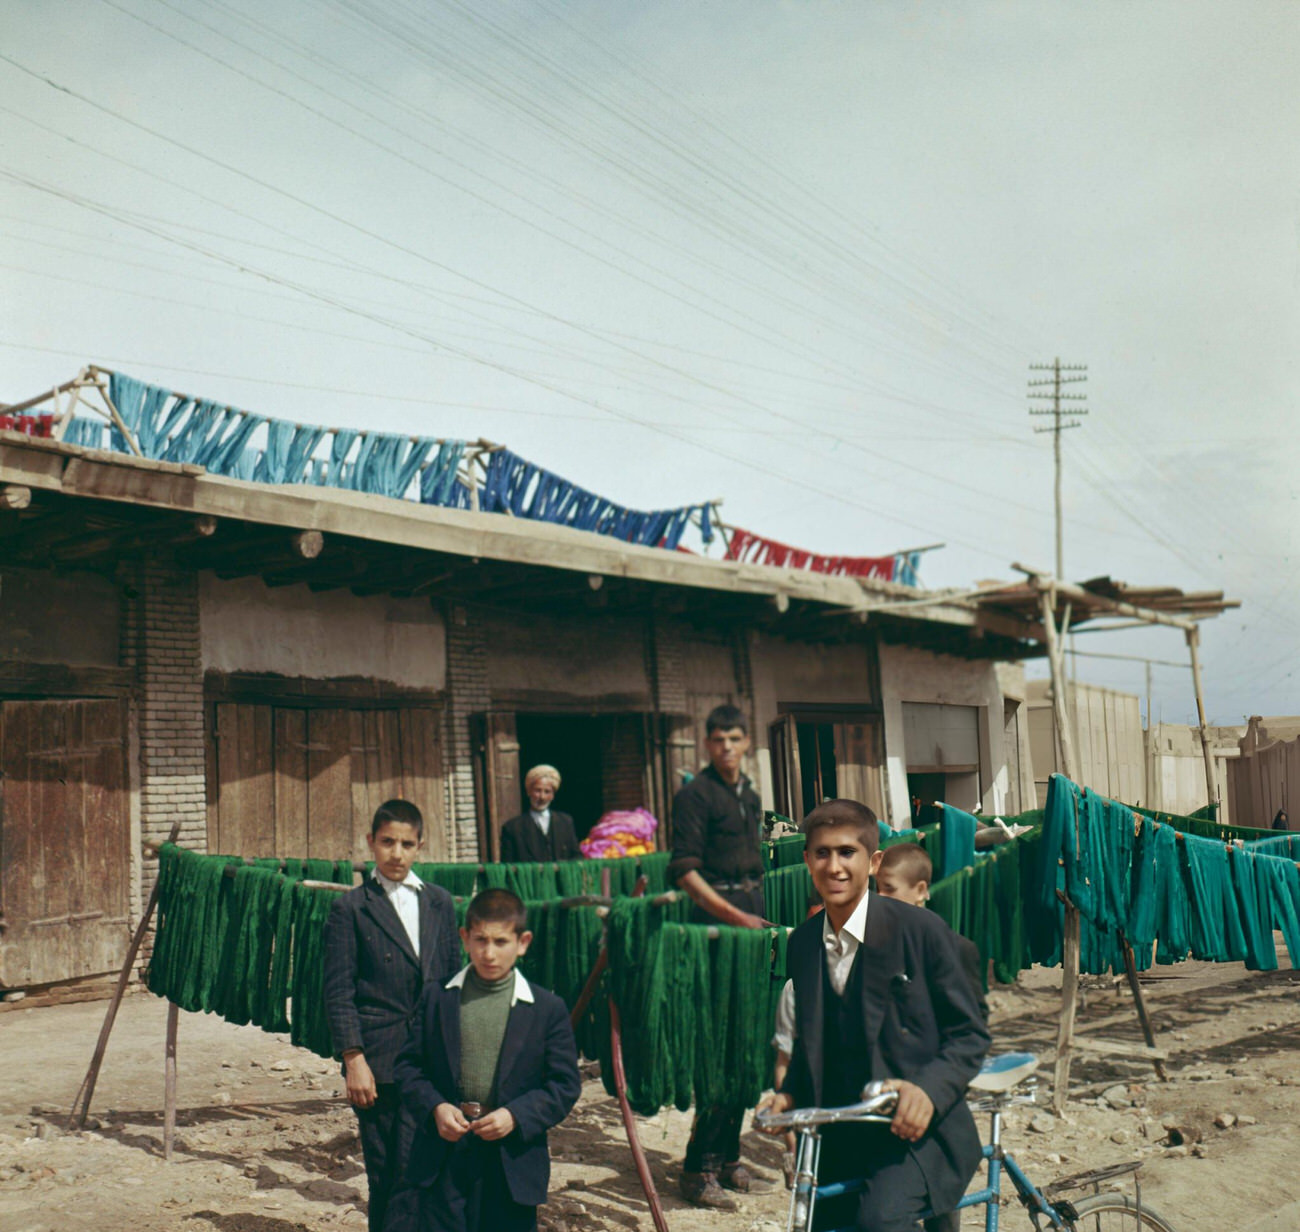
(819, 758)
(923, 789)
(572, 744)
(817, 761)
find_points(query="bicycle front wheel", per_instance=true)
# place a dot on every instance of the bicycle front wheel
(1113, 1212)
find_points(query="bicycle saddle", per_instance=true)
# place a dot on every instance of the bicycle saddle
(1004, 1072)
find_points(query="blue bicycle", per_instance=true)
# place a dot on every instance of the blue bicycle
(995, 1089)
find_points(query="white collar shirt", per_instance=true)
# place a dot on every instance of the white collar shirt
(405, 897)
(522, 990)
(543, 819)
(842, 947)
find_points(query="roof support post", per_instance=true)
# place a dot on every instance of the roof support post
(1056, 660)
(1070, 932)
(1193, 635)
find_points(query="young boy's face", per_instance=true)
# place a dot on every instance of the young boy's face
(840, 866)
(494, 947)
(394, 846)
(890, 883)
(727, 748)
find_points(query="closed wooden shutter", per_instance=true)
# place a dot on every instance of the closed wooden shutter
(293, 781)
(65, 862)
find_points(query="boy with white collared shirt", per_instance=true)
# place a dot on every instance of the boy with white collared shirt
(879, 994)
(489, 1067)
(385, 941)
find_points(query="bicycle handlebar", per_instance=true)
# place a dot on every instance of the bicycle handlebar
(876, 1107)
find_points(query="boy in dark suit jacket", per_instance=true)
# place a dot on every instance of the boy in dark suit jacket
(880, 995)
(542, 834)
(384, 941)
(489, 1067)
(905, 873)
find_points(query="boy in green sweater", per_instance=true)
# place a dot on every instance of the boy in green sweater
(490, 1066)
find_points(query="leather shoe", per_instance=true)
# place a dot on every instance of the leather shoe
(736, 1176)
(702, 1189)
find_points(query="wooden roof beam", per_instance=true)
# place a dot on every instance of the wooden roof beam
(238, 555)
(1087, 599)
(128, 540)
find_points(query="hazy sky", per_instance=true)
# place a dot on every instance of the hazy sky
(795, 255)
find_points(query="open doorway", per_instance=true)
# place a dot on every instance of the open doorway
(819, 756)
(572, 744)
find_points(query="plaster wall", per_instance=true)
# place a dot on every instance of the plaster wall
(911, 675)
(66, 618)
(794, 673)
(536, 661)
(248, 626)
(801, 672)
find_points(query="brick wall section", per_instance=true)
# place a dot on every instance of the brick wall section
(668, 665)
(623, 763)
(468, 694)
(161, 640)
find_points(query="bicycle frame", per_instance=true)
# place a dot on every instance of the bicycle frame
(807, 1191)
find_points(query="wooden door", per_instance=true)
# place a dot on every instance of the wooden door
(500, 779)
(787, 780)
(294, 781)
(65, 860)
(857, 765)
(245, 802)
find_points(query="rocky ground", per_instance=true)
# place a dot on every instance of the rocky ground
(266, 1143)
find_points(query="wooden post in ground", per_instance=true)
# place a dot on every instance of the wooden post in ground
(169, 1081)
(629, 1119)
(1193, 636)
(1131, 971)
(1070, 938)
(86, 1092)
(1069, 1005)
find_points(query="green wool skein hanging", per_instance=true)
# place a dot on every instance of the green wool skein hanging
(309, 1026)
(458, 880)
(696, 1011)
(274, 1015)
(654, 868)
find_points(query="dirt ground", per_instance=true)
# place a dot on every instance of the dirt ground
(266, 1142)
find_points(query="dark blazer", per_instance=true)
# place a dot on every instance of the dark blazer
(373, 979)
(972, 962)
(922, 1025)
(523, 843)
(537, 1079)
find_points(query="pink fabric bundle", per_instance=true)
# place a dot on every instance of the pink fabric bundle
(621, 833)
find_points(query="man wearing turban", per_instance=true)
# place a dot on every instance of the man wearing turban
(542, 834)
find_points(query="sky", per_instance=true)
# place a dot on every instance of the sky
(797, 256)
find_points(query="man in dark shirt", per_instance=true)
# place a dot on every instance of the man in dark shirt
(717, 819)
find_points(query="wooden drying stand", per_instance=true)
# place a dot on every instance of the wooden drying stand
(86, 1092)
(1066, 1040)
(601, 902)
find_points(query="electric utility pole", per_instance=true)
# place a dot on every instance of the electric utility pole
(1050, 389)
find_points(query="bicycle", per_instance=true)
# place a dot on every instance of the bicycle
(996, 1084)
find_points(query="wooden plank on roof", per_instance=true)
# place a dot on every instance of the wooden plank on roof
(364, 516)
